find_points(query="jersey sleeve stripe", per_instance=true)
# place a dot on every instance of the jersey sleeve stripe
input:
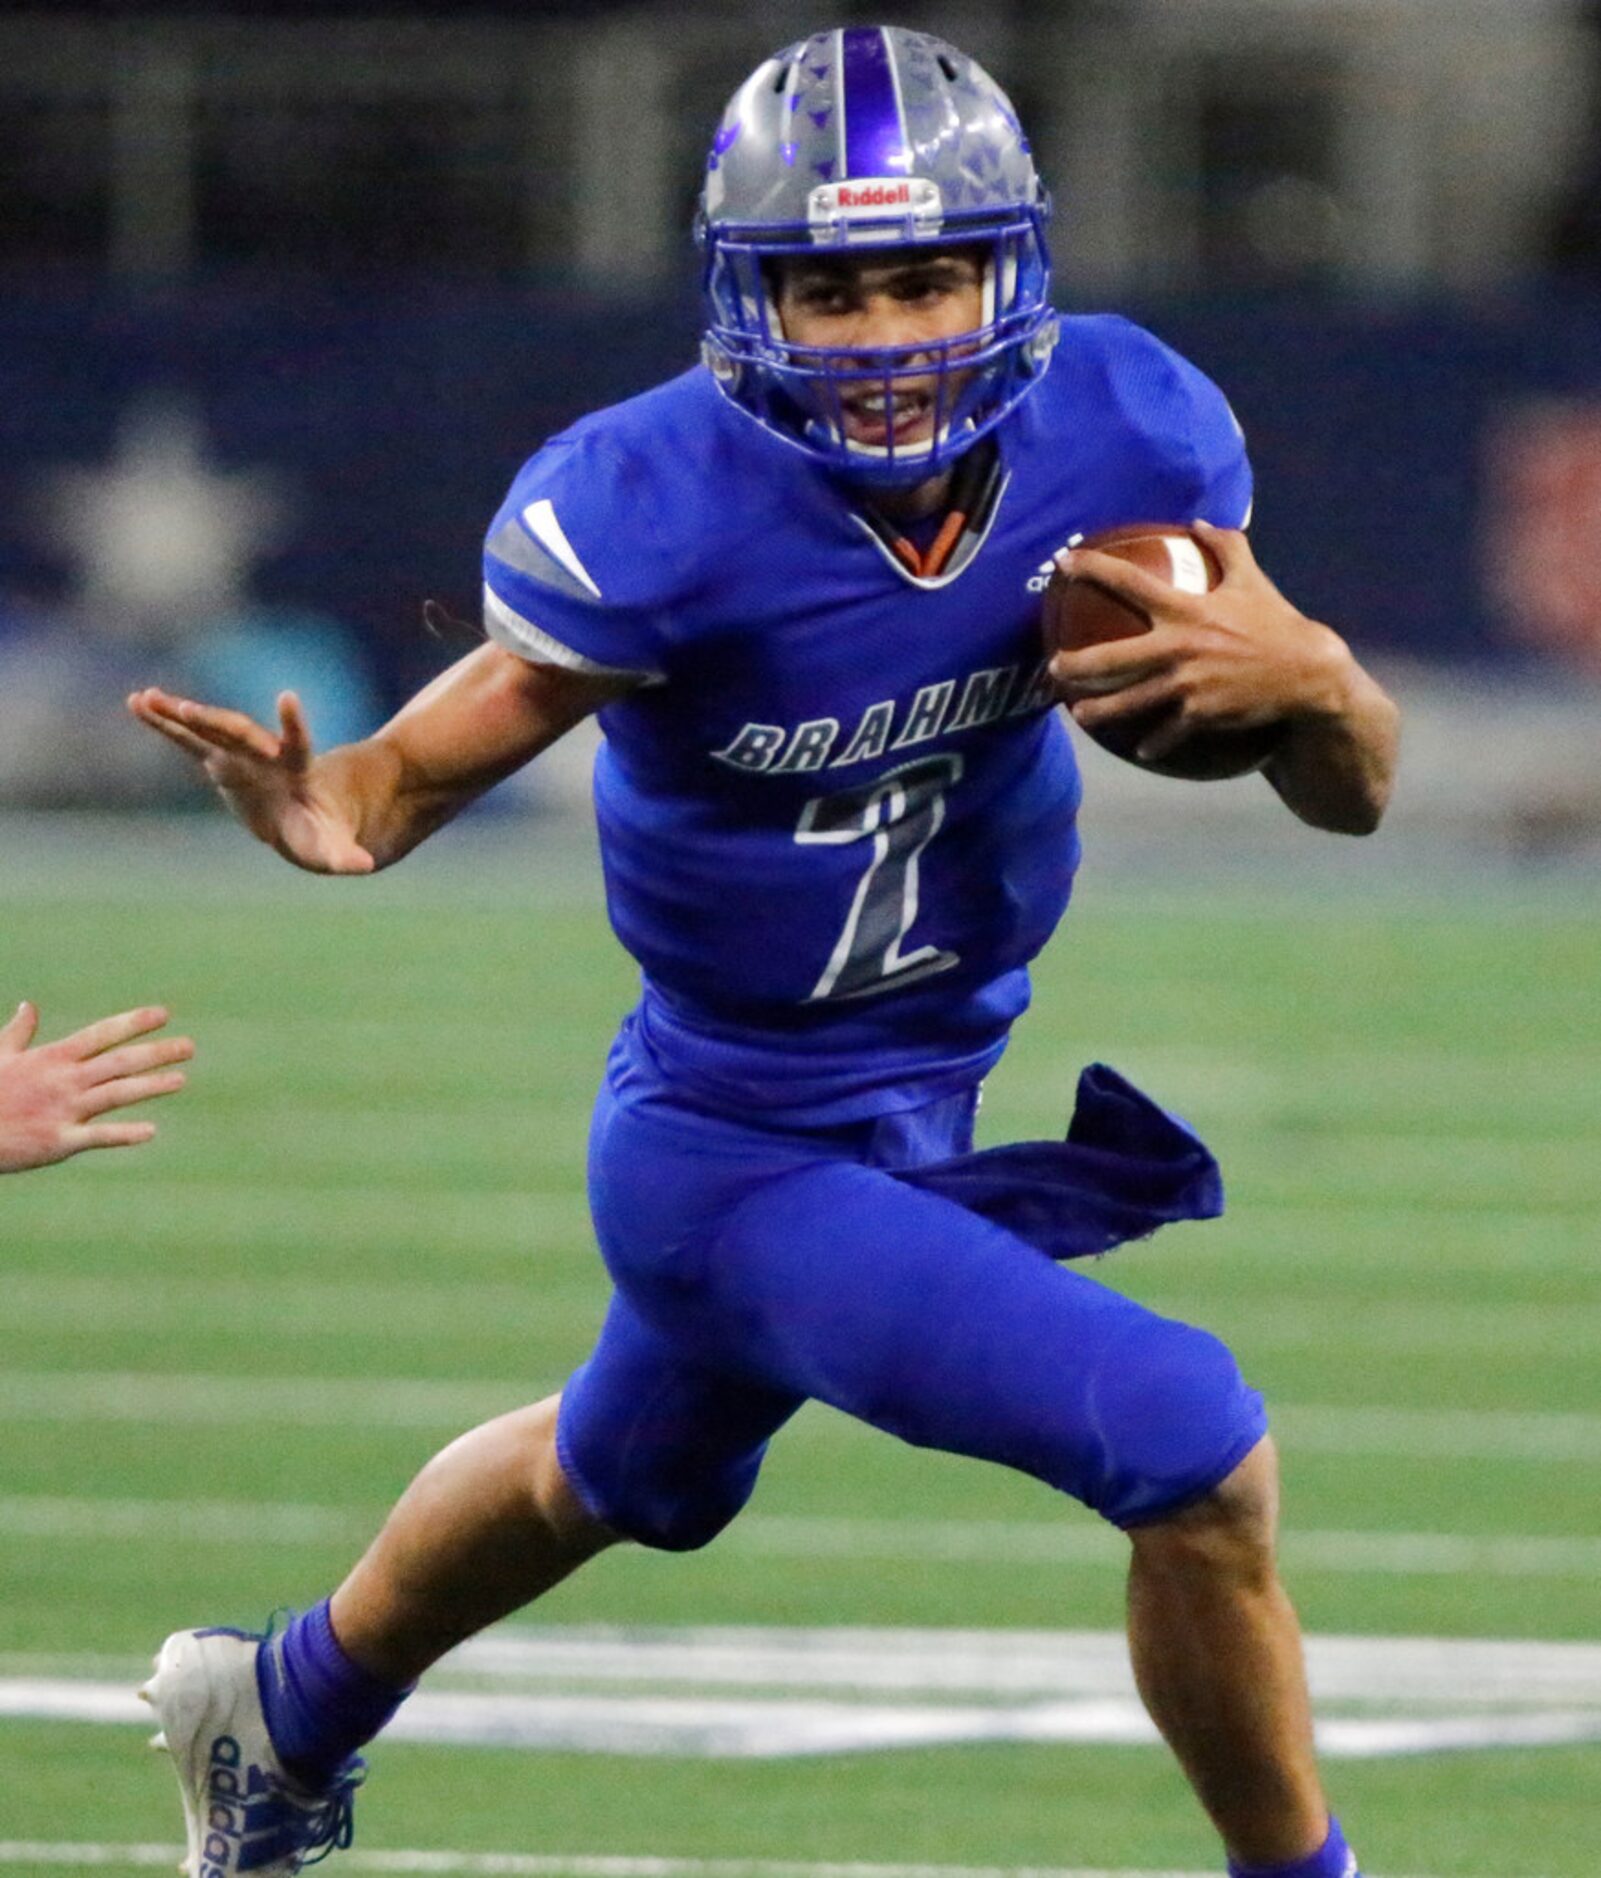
(512, 544)
(509, 629)
(540, 520)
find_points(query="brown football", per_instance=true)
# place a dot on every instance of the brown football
(1080, 612)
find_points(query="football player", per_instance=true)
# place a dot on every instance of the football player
(53, 1095)
(837, 807)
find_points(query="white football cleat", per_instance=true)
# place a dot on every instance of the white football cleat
(243, 1812)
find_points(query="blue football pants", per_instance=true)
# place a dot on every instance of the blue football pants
(756, 1269)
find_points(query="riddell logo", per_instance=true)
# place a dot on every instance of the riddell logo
(875, 196)
(835, 209)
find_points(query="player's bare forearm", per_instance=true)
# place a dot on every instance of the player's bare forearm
(1336, 766)
(390, 802)
(363, 806)
(474, 725)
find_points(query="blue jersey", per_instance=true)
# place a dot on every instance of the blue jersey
(838, 812)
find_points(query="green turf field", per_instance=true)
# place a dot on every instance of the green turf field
(363, 1227)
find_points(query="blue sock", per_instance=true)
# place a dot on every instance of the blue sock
(319, 1706)
(1333, 1859)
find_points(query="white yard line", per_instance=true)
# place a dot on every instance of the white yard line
(263, 1401)
(87, 1856)
(754, 1728)
(309, 1228)
(1425, 1675)
(1042, 1542)
(34, 1517)
(25, 1517)
(1440, 1434)
(1350, 1320)
(317, 1401)
(908, 1660)
(32, 1301)
(1505, 1243)
(45, 1301)
(253, 1208)
(747, 1692)
(56, 855)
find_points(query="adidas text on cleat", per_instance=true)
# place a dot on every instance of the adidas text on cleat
(243, 1813)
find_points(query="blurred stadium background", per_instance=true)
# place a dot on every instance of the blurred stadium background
(287, 292)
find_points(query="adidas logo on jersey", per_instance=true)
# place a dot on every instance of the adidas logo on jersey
(1040, 579)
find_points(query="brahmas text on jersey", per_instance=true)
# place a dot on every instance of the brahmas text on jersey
(837, 812)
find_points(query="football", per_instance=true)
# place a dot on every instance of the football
(1078, 612)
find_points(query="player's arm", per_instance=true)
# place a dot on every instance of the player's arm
(53, 1095)
(364, 805)
(1239, 656)
(1336, 766)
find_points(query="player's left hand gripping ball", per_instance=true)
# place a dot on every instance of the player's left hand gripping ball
(1144, 725)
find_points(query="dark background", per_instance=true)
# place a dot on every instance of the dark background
(378, 257)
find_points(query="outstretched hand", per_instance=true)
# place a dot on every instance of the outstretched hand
(266, 779)
(51, 1096)
(1230, 659)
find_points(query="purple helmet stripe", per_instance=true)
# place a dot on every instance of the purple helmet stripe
(875, 130)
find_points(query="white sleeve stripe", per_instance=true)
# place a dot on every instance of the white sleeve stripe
(510, 629)
(540, 520)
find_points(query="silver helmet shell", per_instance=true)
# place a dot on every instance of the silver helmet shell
(886, 139)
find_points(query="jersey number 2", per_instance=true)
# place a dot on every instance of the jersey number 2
(899, 814)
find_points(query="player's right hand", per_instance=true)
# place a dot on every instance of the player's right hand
(269, 781)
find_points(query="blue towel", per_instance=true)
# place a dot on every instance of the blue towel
(1127, 1167)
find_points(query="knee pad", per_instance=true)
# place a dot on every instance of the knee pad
(654, 1510)
(649, 1471)
(1175, 1418)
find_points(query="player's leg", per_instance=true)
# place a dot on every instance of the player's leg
(646, 1443)
(910, 1312)
(1217, 1656)
(263, 1729)
(640, 1445)
(487, 1526)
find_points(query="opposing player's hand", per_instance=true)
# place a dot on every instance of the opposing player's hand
(1230, 659)
(267, 779)
(51, 1096)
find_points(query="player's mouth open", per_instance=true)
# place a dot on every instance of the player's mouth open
(871, 417)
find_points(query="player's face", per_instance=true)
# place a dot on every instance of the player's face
(861, 303)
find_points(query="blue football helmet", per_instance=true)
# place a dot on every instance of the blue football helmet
(884, 139)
